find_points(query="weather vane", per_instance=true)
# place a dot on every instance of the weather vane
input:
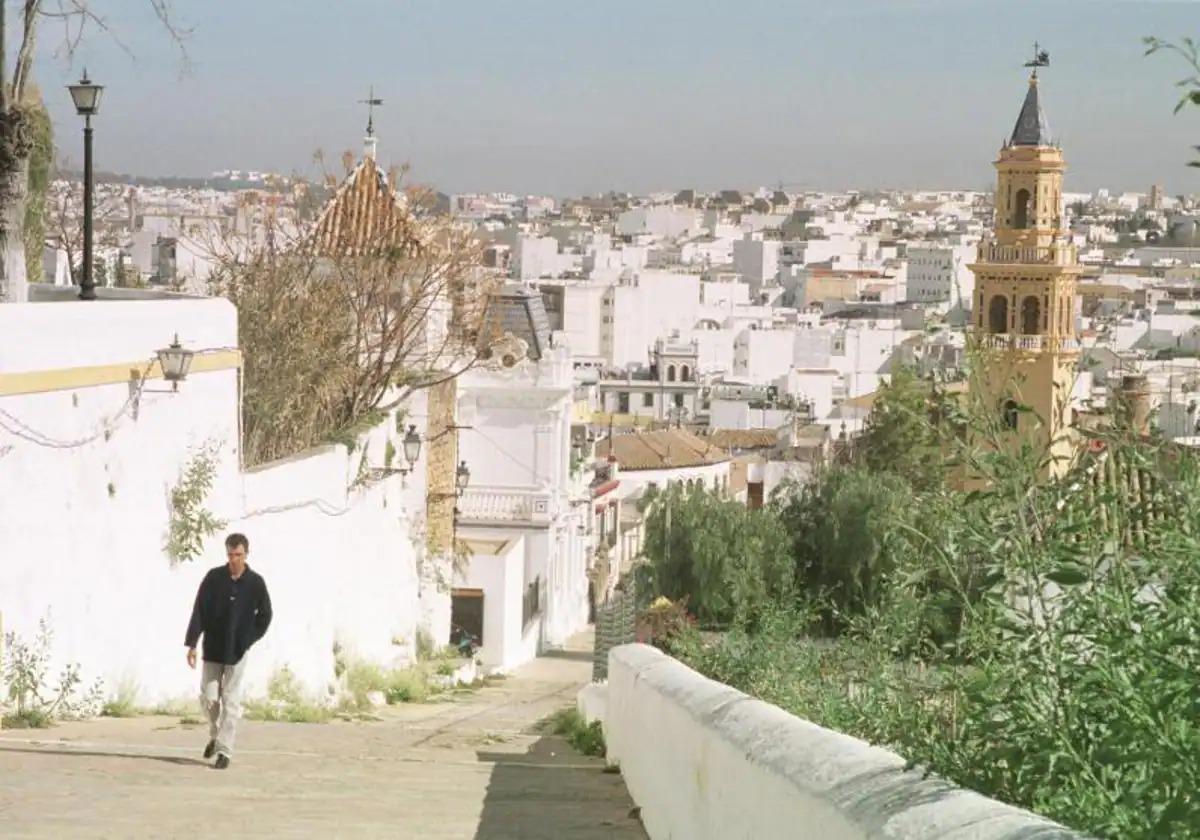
(371, 102)
(1041, 58)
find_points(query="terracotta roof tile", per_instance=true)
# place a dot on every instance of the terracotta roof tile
(662, 450)
(743, 438)
(364, 216)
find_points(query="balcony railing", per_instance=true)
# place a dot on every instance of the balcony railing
(1063, 254)
(484, 504)
(1009, 341)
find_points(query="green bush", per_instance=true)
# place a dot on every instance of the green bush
(1036, 640)
(123, 703)
(585, 738)
(286, 701)
(724, 558)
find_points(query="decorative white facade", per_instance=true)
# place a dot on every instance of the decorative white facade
(522, 520)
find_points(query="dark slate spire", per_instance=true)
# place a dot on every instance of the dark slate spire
(1031, 128)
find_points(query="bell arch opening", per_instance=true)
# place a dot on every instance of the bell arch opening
(1031, 315)
(1021, 209)
(998, 314)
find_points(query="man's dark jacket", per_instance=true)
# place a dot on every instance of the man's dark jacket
(232, 614)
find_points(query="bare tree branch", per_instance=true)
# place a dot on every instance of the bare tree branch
(330, 338)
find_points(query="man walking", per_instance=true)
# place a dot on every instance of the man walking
(232, 611)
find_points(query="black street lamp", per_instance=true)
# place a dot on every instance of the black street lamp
(87, 102)
(412, 446)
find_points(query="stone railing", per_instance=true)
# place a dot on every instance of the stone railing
(1037, 343)
(704, 761)
(1063, 254)
(505, 504)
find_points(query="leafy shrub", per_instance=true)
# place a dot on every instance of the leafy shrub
(1037, 640)
(36, 702)
(723, 557)
(123, 703)
(586, 738)
(663, 621)
(286, 701)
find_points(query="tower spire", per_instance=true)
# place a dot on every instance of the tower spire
(369, 142)
(1032, 128)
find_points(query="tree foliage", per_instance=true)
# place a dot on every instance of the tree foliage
(725, 558)
(844, 537)
(899, 438)
(330, 339)
(1036, 640)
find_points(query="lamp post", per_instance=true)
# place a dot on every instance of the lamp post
(87, 102)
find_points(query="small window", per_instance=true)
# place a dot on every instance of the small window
(531, 606)
(647, 400)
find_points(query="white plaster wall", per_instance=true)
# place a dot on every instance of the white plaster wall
(706, 762)
(764, 355)
(501, 577)
(710, 476)
(638, 316)
(85, 510)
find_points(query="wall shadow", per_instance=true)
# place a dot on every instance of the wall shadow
(165, 759)
(550, 792)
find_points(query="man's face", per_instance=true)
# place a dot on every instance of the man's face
(237, 558)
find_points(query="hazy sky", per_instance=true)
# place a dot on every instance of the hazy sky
(567, 96)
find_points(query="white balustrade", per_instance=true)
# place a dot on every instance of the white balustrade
(1009, 341)
(483, 504)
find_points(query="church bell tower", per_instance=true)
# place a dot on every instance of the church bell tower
(1025, 287)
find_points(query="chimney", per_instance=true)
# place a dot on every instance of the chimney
(613, 467)
(1134, 400)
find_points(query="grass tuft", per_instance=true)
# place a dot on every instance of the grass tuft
(123, 704)
(28, 719)
(586, 738)
(287, 702)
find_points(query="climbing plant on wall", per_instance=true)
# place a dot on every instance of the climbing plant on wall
(191, 522)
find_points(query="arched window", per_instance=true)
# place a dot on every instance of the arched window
(1021, 209)
(1031, 315)
(670, 373)
(1009, 414)
(685, 374)
(998, 314)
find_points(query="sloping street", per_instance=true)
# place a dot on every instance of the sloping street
(475, 766)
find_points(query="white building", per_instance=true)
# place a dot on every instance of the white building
(938, 274)
(524, 587)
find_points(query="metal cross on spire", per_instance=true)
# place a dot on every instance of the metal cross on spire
(370, 102)
(1041, 58)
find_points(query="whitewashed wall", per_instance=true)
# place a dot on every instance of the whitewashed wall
(84, 510)
(707, 762)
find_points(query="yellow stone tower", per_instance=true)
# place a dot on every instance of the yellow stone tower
(1025, 287)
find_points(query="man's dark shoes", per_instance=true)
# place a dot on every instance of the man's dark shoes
(222, 762)
(210, 749)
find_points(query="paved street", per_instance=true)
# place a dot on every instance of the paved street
(472, 767)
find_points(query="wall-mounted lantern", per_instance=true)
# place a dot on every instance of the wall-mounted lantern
(175, 361)
(412, 446)
(462, 477)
